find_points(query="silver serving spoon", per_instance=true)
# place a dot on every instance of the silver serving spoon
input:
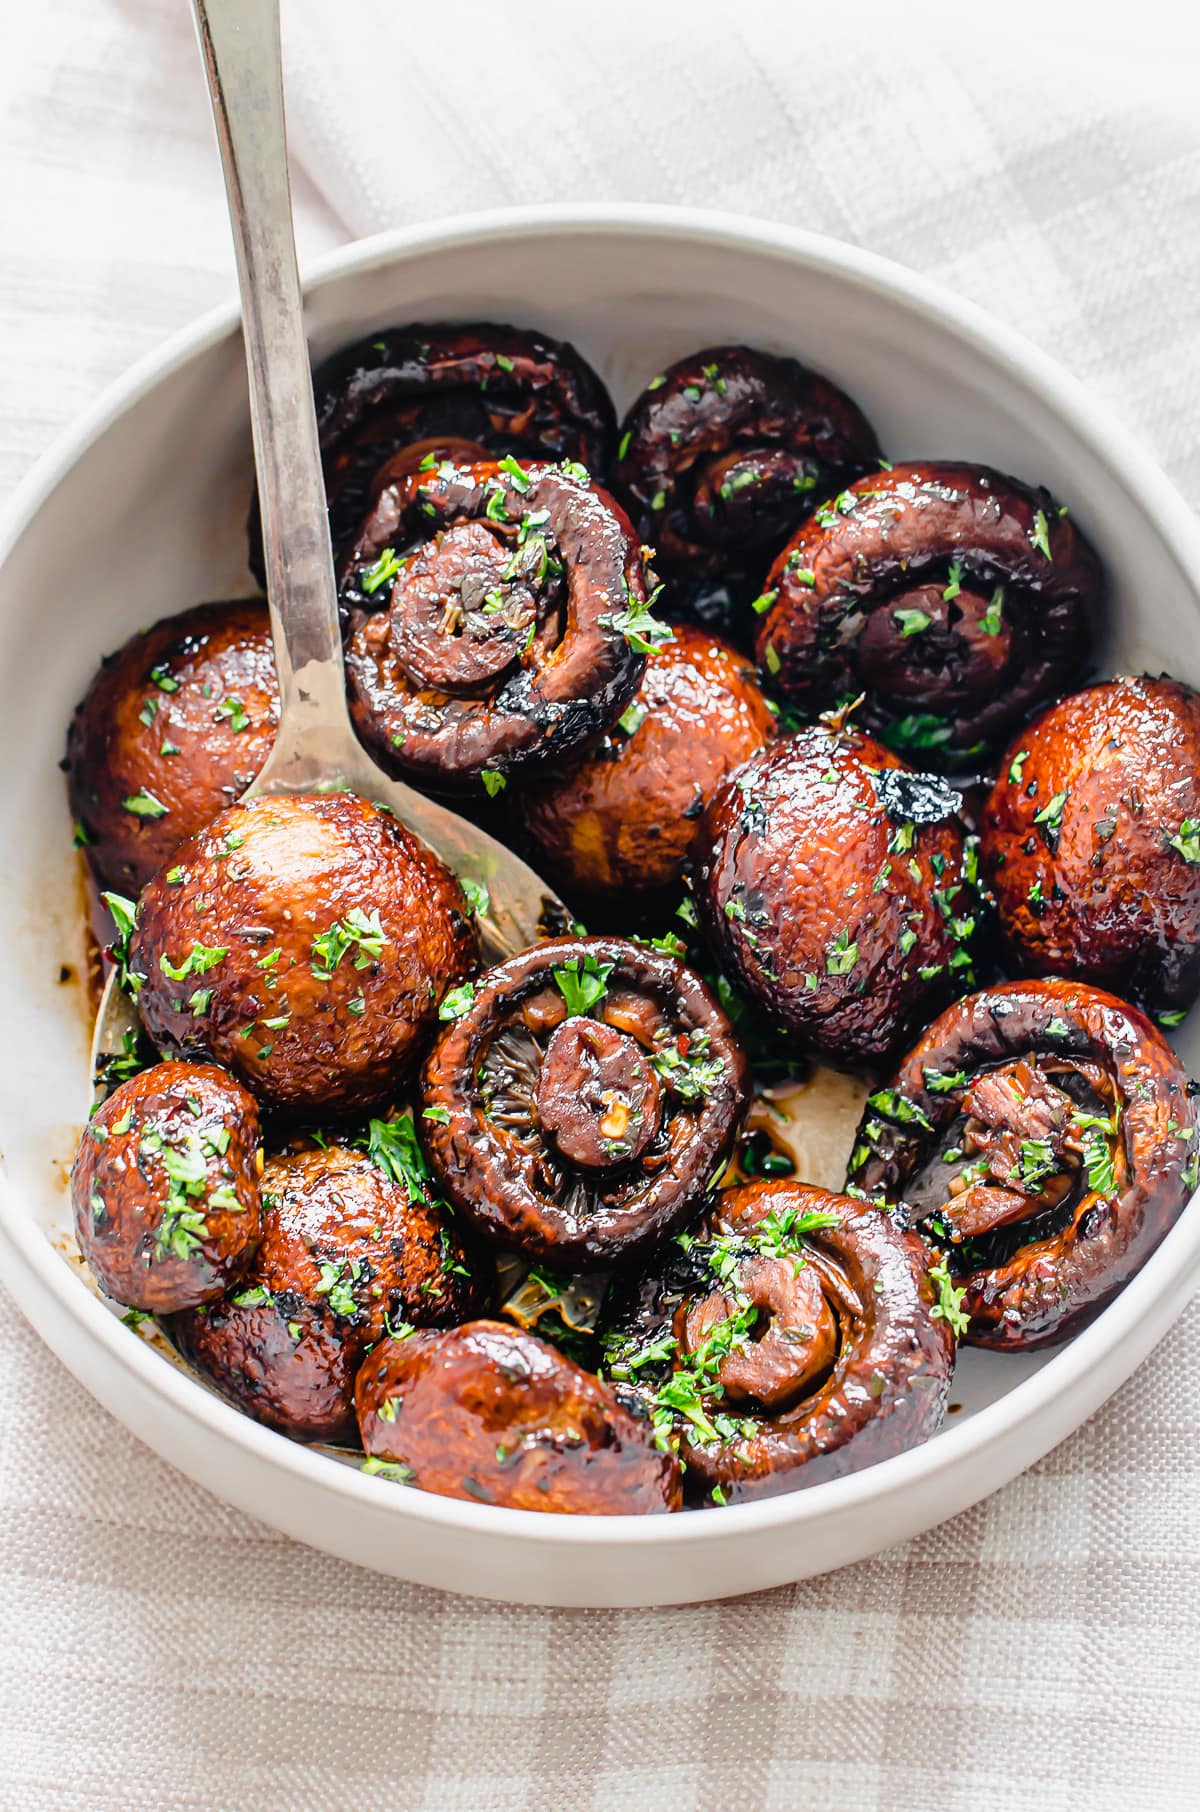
(315, 749)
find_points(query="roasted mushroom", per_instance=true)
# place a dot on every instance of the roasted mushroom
(1091, 840)
(174, 727)
(304, 942)
(584, 1099)
(355, 1246)
(837, 890)
(165, 1187)
(955, 599)
(488, 1412)
(617, 824)
(499, 618)
(795, 1336)
(460, 392)
(723, 455)
(1044, 1134)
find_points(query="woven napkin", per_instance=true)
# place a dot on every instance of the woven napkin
(161, 1651)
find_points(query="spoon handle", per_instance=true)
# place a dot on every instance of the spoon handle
(239, 40)
(315, 746)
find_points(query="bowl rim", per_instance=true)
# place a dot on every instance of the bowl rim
(1177, 1257)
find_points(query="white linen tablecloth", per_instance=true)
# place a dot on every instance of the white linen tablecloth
(159, 1650)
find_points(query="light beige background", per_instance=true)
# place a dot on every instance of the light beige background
(160, 1651)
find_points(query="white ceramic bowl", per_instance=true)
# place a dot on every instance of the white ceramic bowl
(140, 511)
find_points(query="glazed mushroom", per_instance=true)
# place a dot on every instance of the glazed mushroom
(499, 618)
(837, 890)
(583, 1100)
(470, 392)
(617, 824)
(1044, 1134)
(1091, 841)
(723, 455)
(304, 942)
(488, 1412)
(174, 727)
(355, 1246)
(165, 1187)
(795, 1336)
(953, 598)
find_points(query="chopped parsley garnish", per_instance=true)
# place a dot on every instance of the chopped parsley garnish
(1187, 840)
(256, 1297)
(478, 898)
(493, 782)
(516, 472)
(1016, 766)
(992, 620)
(911, 622)
(392, 1145)
(458, 1001)
(384, 569)
(234, 713)
(335, 1284)
(582, 983)
(1098, 1154)
(632, 719)
(668, 944)
(199, 960)
(948, 1307)
(1051, 813)
(394, 1470)
(763, 602)
(955, 585)
(1037, 1162)
(920, 730)
(640, 627)
(358, 931)
(841, 955)
(184, 1226)
(143, 805)
(1041, 534)
(939, 1083)
(894, 1106)
(692, 1072)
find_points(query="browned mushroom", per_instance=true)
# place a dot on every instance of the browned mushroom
(1091, 841)
(499, 617)
(475, 391)
(722, 456)
(837, 890)
(794, 1336)
(1044, 1134)
(616, 824)
(165, 1187)
(304, 942)
(174, 727)
(355, 1246)
(583, 1100)
(488, 1412)
(954, 598)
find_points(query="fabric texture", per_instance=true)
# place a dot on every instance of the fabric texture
(158, 1649)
